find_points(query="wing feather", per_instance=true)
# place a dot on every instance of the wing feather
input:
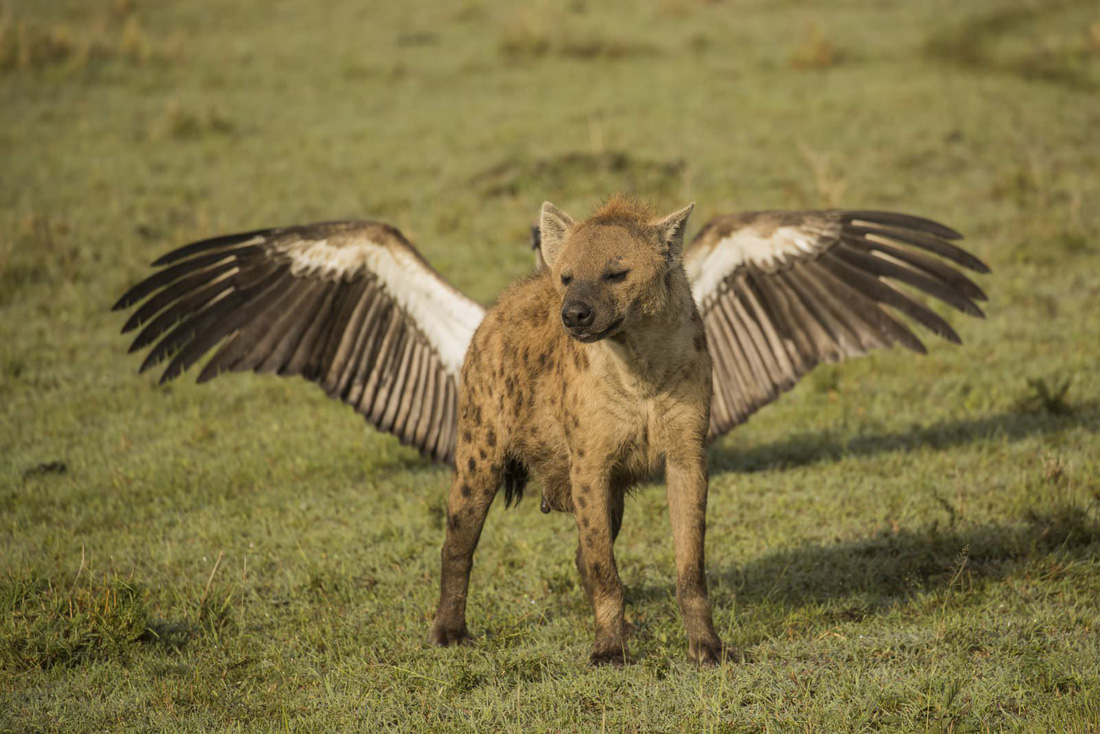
(351, 306)
(788, 316)
(343, 361)
(395, 395)
(924, 263)
(733, 360)
(411, 396)
(445, 444)
(757, 371)
(781, 292)
(437, 419)
(922, 280)
(377, 328)
(428, 396)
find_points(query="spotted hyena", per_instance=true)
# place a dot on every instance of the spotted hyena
(592, 375)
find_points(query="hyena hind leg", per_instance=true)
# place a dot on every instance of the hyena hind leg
(473, 489)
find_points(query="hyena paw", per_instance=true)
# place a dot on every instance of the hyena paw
(711, 652)
(448, 636)
(614, 657)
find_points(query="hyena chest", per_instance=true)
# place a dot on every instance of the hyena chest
(634, 443)
(620, 437)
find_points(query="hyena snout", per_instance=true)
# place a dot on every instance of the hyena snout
(589, 319)
(576, 314)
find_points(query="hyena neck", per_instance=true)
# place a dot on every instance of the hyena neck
(646, 356)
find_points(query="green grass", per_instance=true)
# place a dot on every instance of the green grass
(901, 543)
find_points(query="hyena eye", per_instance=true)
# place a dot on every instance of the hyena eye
(618, 277)
(566, 279)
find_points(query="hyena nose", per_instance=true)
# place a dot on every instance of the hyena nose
(577, 313)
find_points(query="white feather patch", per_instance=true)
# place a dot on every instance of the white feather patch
(446, 317)
(748, 246)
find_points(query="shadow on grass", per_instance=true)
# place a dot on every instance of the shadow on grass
(972, 45)
(886, 567)
(850, 580)
(806, 448)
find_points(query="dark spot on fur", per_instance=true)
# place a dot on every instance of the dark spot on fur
(582, 503)
(586, 488)
(465, 489)
(466, 436)
(472, 464)
(584, 520)
(491, 438)
(543, 358)
(477, 415)
(453, 522)
(580, 453)
(483, 454)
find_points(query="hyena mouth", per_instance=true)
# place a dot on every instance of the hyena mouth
(589, 337)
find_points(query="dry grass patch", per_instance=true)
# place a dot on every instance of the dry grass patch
(815, 51)
(28, 44)
(533, 33)
(577, 173)
(1006, 41)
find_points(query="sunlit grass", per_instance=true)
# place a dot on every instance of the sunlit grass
(901, 543)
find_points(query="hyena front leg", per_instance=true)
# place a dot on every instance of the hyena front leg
(617, 505)
(599, 515)
(476, 481)
(686, 473)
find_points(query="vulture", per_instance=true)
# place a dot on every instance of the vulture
(353, 307)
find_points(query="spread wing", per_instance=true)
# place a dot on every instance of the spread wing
(781, 292)
(351, 306)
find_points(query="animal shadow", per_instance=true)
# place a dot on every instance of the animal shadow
(807, 448)
(853, 578)
(889, 566)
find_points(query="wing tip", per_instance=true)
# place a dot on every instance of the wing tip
(912, 221)
(127, 299)
(916, 346)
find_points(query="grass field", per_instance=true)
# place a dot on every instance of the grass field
(900, 543)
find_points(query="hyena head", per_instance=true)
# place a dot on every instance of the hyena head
(614, 268)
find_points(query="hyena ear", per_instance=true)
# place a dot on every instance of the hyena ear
(554, 225)
(671, 230)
